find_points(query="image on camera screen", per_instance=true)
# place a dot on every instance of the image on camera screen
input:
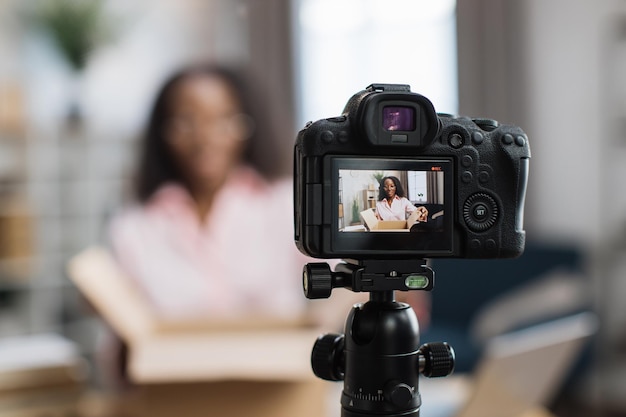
(391, 200)
(391, 206)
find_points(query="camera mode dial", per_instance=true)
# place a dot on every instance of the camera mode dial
(480, 212)
(487, 125)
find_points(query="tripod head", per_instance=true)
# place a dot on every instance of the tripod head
(379, 357)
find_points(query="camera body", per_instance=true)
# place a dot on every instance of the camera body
(392, 179)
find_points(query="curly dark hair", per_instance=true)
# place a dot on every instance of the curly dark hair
(399, 188)
(156, 164)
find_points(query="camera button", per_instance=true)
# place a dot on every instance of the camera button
(477, 138)
(475, 244)
(327, 136)
(520, 140)
(491, 245)
(467, 177)
(480, 212)
(507, 139)
(343, 136)
(456, 140)
(467, 161)
(483, 177)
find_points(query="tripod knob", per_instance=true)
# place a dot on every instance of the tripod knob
(436, 359)
(399, 394)
(317, 280)
(327, 359)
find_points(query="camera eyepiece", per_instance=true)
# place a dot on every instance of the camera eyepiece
(391, 115)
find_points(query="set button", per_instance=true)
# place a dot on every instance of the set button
(480, 212)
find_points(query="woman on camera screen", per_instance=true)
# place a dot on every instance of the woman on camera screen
(392, 203)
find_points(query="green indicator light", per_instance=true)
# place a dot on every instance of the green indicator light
(416, 282)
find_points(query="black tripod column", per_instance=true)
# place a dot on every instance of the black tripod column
(381, 359)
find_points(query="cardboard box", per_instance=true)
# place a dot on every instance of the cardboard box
(373, 224)
(203, 368)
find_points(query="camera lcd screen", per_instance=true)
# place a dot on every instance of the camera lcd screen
(392, 205)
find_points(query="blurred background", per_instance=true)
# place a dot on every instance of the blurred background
(72, 108)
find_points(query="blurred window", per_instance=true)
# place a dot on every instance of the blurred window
(342, 46)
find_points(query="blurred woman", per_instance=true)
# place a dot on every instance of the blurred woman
(211, 233)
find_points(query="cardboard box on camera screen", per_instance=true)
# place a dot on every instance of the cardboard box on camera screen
(373, 224)
(201, 369)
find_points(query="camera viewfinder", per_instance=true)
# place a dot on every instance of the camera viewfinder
(398, 118)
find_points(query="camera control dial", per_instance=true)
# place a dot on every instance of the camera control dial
(480, 212)
(486, 124)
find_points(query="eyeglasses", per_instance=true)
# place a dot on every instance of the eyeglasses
(182, 127)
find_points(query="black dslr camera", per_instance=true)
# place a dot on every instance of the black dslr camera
(392, 179)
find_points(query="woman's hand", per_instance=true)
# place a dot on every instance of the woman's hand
(422, 215)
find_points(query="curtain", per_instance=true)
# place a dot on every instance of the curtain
(434, 187)
(404, 180)
(257, 34)
(270, 58)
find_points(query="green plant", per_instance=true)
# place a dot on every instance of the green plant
(77, 27)
(378, 176)
(356, 211)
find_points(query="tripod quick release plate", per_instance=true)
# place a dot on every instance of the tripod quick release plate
(367, 276)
